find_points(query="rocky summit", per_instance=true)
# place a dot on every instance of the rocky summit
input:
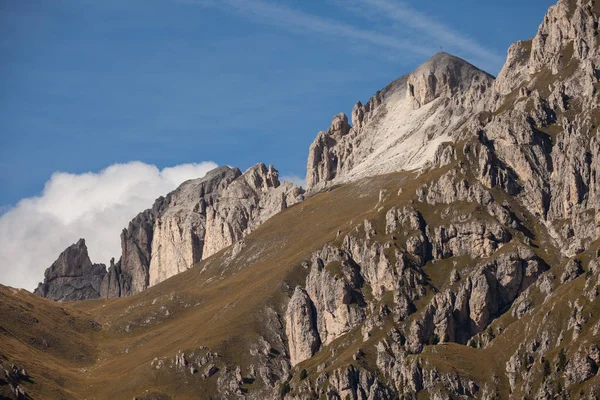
(193, 222)
(72, 276)
(447, 247)
(400, 127)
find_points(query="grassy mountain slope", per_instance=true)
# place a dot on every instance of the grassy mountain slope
(104, 348)
(218, 304)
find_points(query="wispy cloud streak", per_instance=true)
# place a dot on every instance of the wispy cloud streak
(298, 20)
(402, 20)
(400, 12)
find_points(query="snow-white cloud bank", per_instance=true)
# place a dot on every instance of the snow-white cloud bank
(94, 206)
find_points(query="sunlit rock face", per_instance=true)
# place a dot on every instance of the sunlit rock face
(198, 219)
(204, 216)
(401, 126)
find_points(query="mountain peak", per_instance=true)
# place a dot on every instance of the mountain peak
(443, 75)
(443, 60)
(402, 125)
(72, 276)
(442, 56)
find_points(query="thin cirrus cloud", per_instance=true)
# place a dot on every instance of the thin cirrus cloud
(94, 206)
(400, 12)
(431, 32)
(299, 21)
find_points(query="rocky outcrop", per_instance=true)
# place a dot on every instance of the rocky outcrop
(401, 127)
(540, 136)
(204, 216)
(581, 368)
(130, 275)
(111, 284)
(475, 239)
(11, 379)
(572, 271)
(568, 31)
(197, 220)
(180, 231)
(325, 157)
(333, 286)
(301, 327)
(448, 77)
(386, 267)
(410, 376)
(455, 316)
(72, 276)
(356, 383)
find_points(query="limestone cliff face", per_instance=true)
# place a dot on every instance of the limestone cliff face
(301, 326)
(72, 276)
(203, 217)
(245, 204)
(568, 31)
(130, 275)
(401, 126)
(197, 220)
(540, 140)
(179, 232)
(337, 299)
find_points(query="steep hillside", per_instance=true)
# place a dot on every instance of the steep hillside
(474, 275)
(227, 303)
(408, 290)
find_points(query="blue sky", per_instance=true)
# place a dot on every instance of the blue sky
(86, 84)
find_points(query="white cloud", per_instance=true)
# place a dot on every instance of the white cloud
(94, 206)
(295, 179)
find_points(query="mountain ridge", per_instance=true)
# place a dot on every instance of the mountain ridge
(476, 275)
(194, 221)
(140, 267)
